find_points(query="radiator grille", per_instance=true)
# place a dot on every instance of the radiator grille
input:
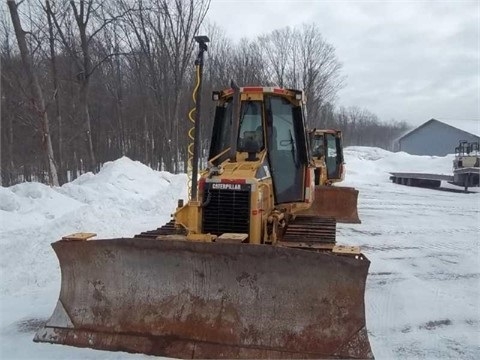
(227, 210)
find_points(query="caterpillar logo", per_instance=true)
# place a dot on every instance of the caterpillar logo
(222, 186)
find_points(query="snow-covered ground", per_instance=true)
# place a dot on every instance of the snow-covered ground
(423, 290)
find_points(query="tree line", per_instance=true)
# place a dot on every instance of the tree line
(88, 81)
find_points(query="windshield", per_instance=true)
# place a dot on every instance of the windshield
(332, 158)
(251, 129)
(222, 128)
(318, 146)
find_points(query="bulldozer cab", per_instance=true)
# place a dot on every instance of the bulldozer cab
(270, 123)
(327, 145)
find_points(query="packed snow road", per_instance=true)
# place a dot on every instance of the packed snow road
(423, 290)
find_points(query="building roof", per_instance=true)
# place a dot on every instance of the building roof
(469, 126)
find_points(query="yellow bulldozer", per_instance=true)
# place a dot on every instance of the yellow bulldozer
(326, 151)
(239, 272)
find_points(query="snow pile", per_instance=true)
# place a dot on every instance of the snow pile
(32, 204)
(422, 290)
(366, 164)
(125, 182)
(123, 199)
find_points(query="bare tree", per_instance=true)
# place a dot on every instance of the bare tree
(320, 70)
(56, 87)
(362, 127)
(37, 99)
(301, 58)
(180, 21)
(91, 18)
(277, 47)
(248, 66)
(164, 31)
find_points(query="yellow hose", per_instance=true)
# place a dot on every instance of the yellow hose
(191, 132)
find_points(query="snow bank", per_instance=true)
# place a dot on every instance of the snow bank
(32, 204)
(366, 164)
(123, 199)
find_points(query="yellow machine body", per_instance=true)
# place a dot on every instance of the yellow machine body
(241, 271)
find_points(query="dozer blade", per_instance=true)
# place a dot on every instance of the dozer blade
(209, 300)
(337, 202)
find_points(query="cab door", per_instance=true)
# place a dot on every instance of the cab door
(287, 149)
(334, 155)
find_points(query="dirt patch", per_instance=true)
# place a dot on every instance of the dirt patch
(431, 325)
(406, 329)
(381, 273)
(411, 351)
(446, 276)
(364, 232)
(387, 248)
(29, 325)
(472, 322)
(456, 347)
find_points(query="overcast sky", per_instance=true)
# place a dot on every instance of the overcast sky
(404, 60)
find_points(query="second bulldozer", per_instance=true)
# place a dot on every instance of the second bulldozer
(238, 272)
(339, 202)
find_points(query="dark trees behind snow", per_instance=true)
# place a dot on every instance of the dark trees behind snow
(116, 79)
